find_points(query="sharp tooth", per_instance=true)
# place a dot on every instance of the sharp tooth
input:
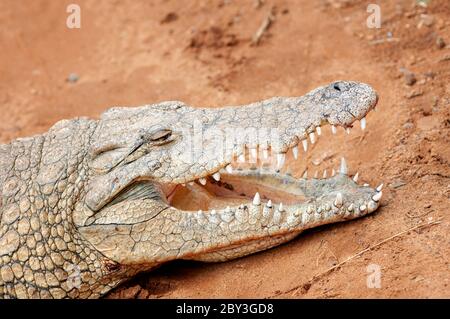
(372, 206)
(280, 160)
(216, 176)
(228, 209)
(295, 151)
(379, 188)
(338, 201)
(312, 137)
(355, 178)
(316, 173)
(191, 183)
(333, 172)
(319, 130)
(241, 158)
(366, 185)
(363, 123)
(305, 174)
(333, 129)
(257, 199)
(377, 196)
(309, 210)
(213, 212)
(350, 208)
(347, 130)
(202, 181)
(324, 174)
(184, 185)
(362, 208)
(269, 203)
(229, 168)
(280, 208)
(254, 154)
(265, 154)
(343, 169)
(305, 144)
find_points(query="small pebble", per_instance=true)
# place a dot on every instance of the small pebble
(73, 78)
(440, 43)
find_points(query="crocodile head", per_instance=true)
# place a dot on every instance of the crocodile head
(169, 181)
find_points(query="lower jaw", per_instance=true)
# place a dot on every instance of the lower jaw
(277, 196)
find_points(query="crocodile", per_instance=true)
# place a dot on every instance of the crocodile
(93, 202)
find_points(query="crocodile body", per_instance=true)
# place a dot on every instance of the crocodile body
(91, 203)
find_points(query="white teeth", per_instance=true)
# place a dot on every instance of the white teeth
(228, 209)
(184, 185)
(295, 151)
(229, 168)
(333, 172)
(324, 174)
(191, 183)
(355, 178)
(202, 181)
(377, 196)
(213, 212)
(254, 154)
(305, 174)
(305, 145)
(348, 130)
(265, 154)
(366, 185)
(362, 208)
(363, 123)
(309, 210)
(216, 176)
(269, 203)
(343, 169)
(350, 208)
(333, 129)
(241, 158)
(372, 206)
(281, 157)
(280, 208)
(257, 199)
(312, 137)
(316, 174)
(319, 130)
(338, 201)
(380, 187)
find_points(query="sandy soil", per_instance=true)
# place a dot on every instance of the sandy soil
(134, 52)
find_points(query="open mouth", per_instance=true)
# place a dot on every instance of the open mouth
(258, 179)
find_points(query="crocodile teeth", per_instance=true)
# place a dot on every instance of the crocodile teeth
(295, 151)
(312, 137)
(241, 158)
(333, 129)
(280, 208)
(333, 172)
(191, 183)
(348, 130)
(269, 204)
(363, 123)
(227, 209)
(229, 168)
(366, 185)
(355, 178)
(265, 154)
(305, 145)
(372, 206)
(350, 208)
(257, 199)
(202, 181)
(338, 201)
(362, 208)
(343, 169)
(377, 196)
(281, 157)
(216, 176)
(380, 187)
(253, 154)
(305, 174)
(309, 210)
(319, 130)
(316, 174)
(324, 174)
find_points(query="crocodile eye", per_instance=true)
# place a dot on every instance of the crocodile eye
(160, 135)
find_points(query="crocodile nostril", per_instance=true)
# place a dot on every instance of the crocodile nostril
(336, 86)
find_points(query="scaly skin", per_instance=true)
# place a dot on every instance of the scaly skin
(88, 204)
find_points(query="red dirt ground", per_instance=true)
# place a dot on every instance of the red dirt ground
(134, 52)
